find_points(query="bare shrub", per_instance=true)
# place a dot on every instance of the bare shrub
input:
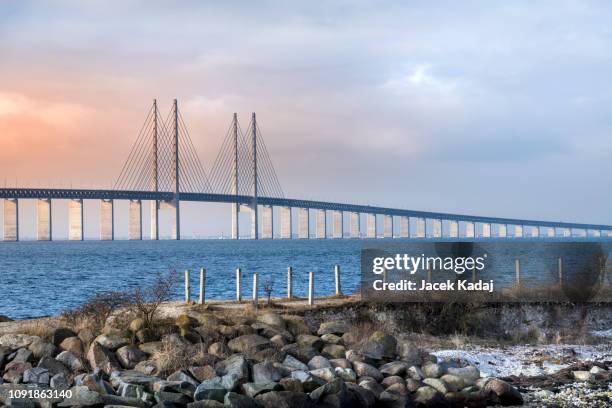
(268, 288)
(145, 301)
(96, 311)
(177, 356)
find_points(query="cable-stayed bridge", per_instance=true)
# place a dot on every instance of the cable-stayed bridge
(163, 169)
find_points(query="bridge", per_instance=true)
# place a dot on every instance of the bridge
(163, 169)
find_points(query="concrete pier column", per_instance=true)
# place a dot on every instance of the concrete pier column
(304, 223)
(107, 220)
(355, 225)
(285, 223)
(254, 221)
(338, 224)
(371, 225)
(11, 219)
(75, 220)
(470, 229)
(404, 227)
(486, 230)
(502, 230)
(135, 221)
(43, 220)
(420, 227)
(235, 220)
(436, 228)
(518, 231)
(453, 229)
(154, 220)
(267, 220)
(388, 226)
(535, 232)
(321, 224)
(550, 232)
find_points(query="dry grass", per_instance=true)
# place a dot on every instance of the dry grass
(41, 328)
(173, 357)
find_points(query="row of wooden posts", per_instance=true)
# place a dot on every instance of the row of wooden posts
(290, 296)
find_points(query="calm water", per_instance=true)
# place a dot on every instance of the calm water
(44, 278)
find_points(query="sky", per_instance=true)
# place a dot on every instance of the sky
(499, 109)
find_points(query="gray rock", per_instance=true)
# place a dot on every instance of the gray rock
(347, 374)
(327, 373)
(17, 341)
(331, 338)
(22, 355)
(433, 370)
(111, 341)
(266, 372)
(102, 358)
(205, 404)
(181, 387)
(248, 343)
(379, 345)
(273, 319)
(82, 397)
(294, 363)
(408, 352)
(202, 373)
(309, 381)
(366, 370)
(147, 367)
(235, 400)
(302, 353)
(415, 373)
(284, 399)
(437, 384)
(469, 374)
(394, 368)
(53, 366)
(333, 351)
(36, 375)
(132, 377)
(171, 398)
(13, 371)
(219, 349)
(583, 375)
(182, 376)
(131, 391)
(210, 390)
(340, 362)
(337, 327)
(453, 382)
(372, 386)
(364, 397)
(392, 380)
(429, 397)
(506, 393)
(70, 360)
(42, 349)
(335, 387)
(60, 381)
(318, 362)
(308, 340)
(236, 364)
(129, 356)
(254, 389)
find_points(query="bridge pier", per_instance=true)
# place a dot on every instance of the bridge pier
(135, 220)
(421, 227)
(75, 220)
(355, 226)
(267, 221)
(518, 231)
(43, 219)
(321, 224)
(155, 220)
(470, 229)
(502, 230)
(371, 224)
(486, 230)
(254, 220)
(453, 229)
(11, 219)
(286, 226)
(388, 226)
(235, 220)
(107, 220)
(338, 223)
(404, 227)
(303, 223)
(436, 228)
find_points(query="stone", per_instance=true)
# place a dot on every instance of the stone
(340, 362)
(60, 381)
(394, 368)
(296, 325)
(129, 356)
(96, 383)
(408, 352)
(60, 334)
(331, 338)
(336, 386)
(338, 327)
(40, 349)
(328, 374)
(309, 381)
(13, 371)
(437, 384)
(73, 345)
(36, 375)
(100, 357)
(391, 380)
(394, 396)
(151, 347)
(86, 336)
(333, 351)
(582, 375)
(454, 382)
(210, 390)
(433, 370)
(182, 376)
(254, 389)
(266, 373)
(202, 373)
(308, 340)
(205, 404)
(219, 349)
(147, 367)
(352, 355)
(182, 387)
(291, 384)
(111, 341)
(371, 385)
(273, 319)
(136, 325)
(412, 385)
(597, 370)
(364, 397)
(131, 391)
(366, 370)
(347, 374)
(82, 397)
(379, 345)
(116, 401)
(294, 363)
(248, 343)
(506, 393)
(17, 341)
(318, 362)
(429, 397)
(279, 340)
(284, 399)
(132, 377)
(235, 400)
(236, 365)
(54, 366)
(350, 338)
(415, 373)
(302, 353)
(171, 398)
(469, 374)
(146, 335)
(22, 355)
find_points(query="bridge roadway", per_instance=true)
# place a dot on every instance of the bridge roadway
(76, 194)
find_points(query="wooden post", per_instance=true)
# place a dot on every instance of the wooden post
(255, 290)
(560, 269)
(202, 285)
(311, 288)
(238, 285)
(290, 283)
(187, 288)
(517, 269)
(338, 287)
(428, 275)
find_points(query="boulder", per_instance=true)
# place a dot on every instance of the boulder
(235, 400)
(17, 341)
(182, 376)
(364, 397)
(71, 361)
(468, 374)
(394, 368)
(147, 367)
(210, 390)
(302, 353)
(433, 370)
(308, 340)
(219, 349)
(454, 382)
(40, 349)
(347, 374)
(129, 356)
(583, 375)
(60, 334)
(408, 352)
(284, 399)
(340, 362)
(415, 373)
(429, 397)
(86, 336)
(82, 396)
(333, 351)
(171, 399)
(279, 340)
(392, 380)
(309, 381)
(13, 371)
(437, 384)
(111, 341)
(22, 355)
(54, 366)
(379, 345)
(273, 319)
(412, 385)
(202, 373)
(60, 382)
(331, 338)
(337, 327)
(254, 389)
(291, 384)
(296, 325)
(117, 378)
(73, 345)
(100, 357)
(366, 370)
(236, 365)
(248, 343)
(506, 393)
(266, 372)
(36, 375)
(318, 362)
(371, 385)
(294, 363)
(328, 374)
